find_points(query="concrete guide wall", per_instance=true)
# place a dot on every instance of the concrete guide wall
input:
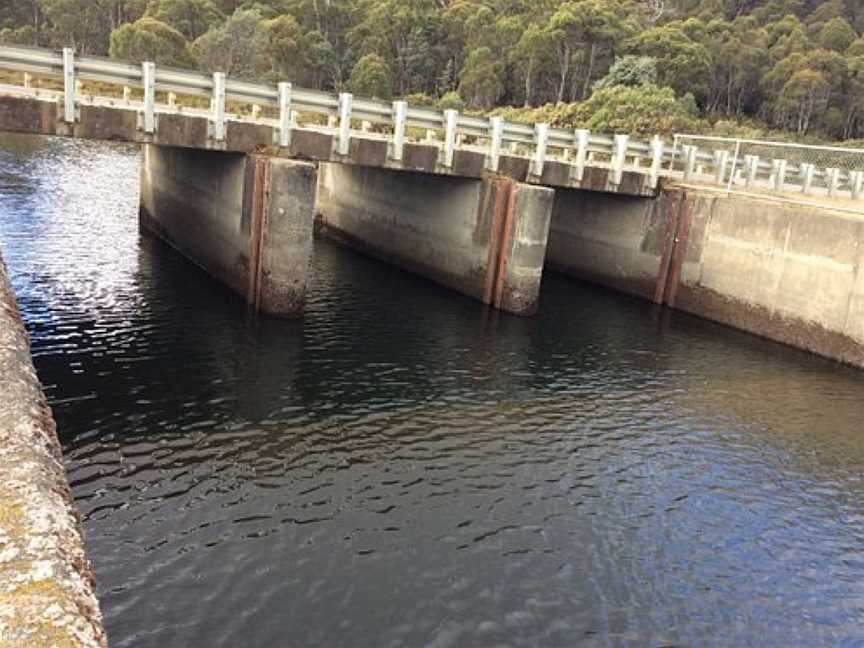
(46, 582)
(484, 238)
(247, 220)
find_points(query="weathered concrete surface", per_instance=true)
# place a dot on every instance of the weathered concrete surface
(615, 241)
(46, 582)
(247, 220)
(484, 238)
(787, 272)
(120, 122)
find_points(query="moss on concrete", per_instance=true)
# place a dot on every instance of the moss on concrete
(46, 584)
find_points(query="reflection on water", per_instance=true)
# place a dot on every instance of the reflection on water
(405, 468)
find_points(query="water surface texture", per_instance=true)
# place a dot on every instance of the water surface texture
(403, 467)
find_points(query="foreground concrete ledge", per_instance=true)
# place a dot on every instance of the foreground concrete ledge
(46, 583)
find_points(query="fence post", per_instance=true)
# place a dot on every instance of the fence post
(284, 114)
(780, 174)
(496, 126)
(148, 75)
(619, 155)
(541, 138)
(219, 106)
(657, 147)
(451, 120)
(581, 153)
(69, 85)
(343, 144)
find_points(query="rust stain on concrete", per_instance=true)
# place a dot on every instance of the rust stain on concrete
(505, 244)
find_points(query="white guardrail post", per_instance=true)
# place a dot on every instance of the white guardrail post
(400, 115)
(541, 139)
(689, 152)
(69, 85)
(581, 136)
(343, 145)
(779, 174)
(751, 164)
(496, 135)
(284, 89)
(619, 155)
(148, 78)
(657, 148)
(218, 109)
(807, 172)
(832, 178)
(721, 160)
(856, 180)
(451, 121)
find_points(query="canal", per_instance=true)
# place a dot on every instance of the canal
(403, 467)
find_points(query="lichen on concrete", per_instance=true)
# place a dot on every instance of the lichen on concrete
(46, 582)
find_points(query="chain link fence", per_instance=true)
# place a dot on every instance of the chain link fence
(740, 164)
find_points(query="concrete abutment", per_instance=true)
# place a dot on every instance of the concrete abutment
(485, 238)
(245, 219)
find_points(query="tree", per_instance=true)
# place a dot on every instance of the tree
(481, 78)
(583, 32)
(148, 39)
(238, 47)
(682, 63)
(639, 110)
(632, 71)
(372, 77)
(82, 24)
(802, 96)
(837, 35)
(451, 101)
(192, 18)
(288, 48)
(531, 53)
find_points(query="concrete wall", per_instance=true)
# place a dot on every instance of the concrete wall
(787, 272)
(615, 241)
(484, 238)
(46, 583)
(247, 220)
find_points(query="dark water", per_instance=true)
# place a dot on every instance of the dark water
(404, 468)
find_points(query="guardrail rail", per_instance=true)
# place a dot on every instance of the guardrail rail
(727, 162)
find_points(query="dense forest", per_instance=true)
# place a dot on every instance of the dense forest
(731, 66)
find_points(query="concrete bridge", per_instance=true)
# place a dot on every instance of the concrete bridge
(238, 182)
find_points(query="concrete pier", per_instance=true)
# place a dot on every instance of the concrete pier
(784, 271)
(46, 583)
(484, 238)
(245, 219)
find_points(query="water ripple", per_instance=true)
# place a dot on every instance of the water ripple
(404, 468)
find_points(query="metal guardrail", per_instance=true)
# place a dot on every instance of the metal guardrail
(578, 147)
(812, 170)
(728, 162)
